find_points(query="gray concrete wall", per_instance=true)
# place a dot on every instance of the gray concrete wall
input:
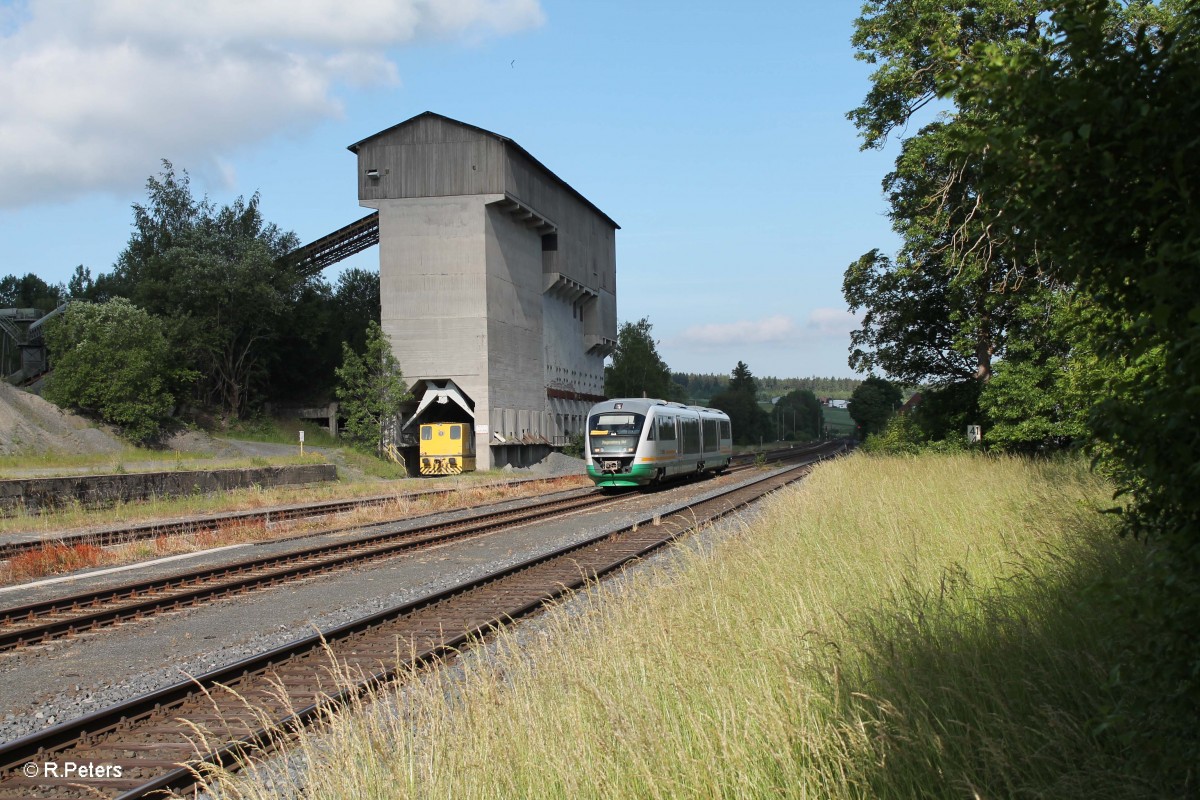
(432, 274)
(470, 292)
(513, 254)
(34, 494)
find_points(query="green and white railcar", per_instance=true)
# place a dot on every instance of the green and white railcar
(637, 442)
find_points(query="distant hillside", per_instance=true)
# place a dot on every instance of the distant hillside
(701, 387)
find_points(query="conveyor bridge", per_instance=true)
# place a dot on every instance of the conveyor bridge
(341, 244)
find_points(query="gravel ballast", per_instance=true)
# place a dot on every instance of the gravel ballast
(43, 685)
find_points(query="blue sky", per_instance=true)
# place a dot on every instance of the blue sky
(714, 134)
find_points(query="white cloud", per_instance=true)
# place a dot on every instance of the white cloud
(770, 329)
(95, 93)
(830, 323)
(822, 323)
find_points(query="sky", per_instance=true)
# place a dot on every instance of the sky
(714, 134)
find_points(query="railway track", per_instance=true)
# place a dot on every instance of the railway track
(48, 620)
(106, 537)
(124, 534)
(149, 746)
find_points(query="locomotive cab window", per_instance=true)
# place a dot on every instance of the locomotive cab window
(616, 424)
(455, 431)
(426, 432)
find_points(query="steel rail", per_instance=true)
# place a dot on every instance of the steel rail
(93, 610)
(151, 724)
(107, 537)
(87, 611)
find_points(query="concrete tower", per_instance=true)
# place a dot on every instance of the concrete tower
(497, 281)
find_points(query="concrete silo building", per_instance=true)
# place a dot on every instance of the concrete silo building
(497, 281)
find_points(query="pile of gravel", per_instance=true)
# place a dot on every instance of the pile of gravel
(554, 465)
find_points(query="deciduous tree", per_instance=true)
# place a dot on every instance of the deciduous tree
(637, 370)
(219, 276)
(873, 404)
(371, 390)
(1094, 147)
(113, 359)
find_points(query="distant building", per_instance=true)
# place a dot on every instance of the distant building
(497, 281)
(910, 403)
(832, 403)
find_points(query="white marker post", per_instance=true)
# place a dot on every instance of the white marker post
(301, 442)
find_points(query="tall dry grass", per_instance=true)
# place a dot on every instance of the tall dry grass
(894, 628)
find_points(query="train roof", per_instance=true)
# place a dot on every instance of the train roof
(642, 405)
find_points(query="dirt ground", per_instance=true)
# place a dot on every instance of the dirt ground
(31, 426)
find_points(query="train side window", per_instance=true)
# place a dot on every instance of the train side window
(426, 432)
(455, 431)
(650, 430)
(691, 435)
(666, 429)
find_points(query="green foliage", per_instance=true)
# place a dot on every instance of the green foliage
(698, 388)
(873, 404)
(113, 359)
(322, 318)
(1097, 155)
(218, 274)
(356, 303)
(750, 423)
(800, 415)
(913, 44)
(371, 390)
(901, 436)
(957, 299)
(637, 370)
(30, 291)
(945, 411)
(574, 446)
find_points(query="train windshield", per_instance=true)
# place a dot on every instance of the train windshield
(615, 431)
(617, 423)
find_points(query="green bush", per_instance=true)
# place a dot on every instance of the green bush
(113, 360)
(574, 446)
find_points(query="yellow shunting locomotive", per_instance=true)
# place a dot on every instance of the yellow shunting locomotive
(447, 448)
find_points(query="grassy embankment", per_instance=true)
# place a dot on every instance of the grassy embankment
(894, 628)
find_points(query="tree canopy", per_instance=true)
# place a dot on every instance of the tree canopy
(800, 415)
(873, 404)
(740, 401)
(29, 291)
(113, 359)
(218, 274)
(637, 370)
(371, 390)
(1049, 239)
(234, 309)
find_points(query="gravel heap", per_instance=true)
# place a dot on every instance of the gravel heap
(554, 465)
(29, 424)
